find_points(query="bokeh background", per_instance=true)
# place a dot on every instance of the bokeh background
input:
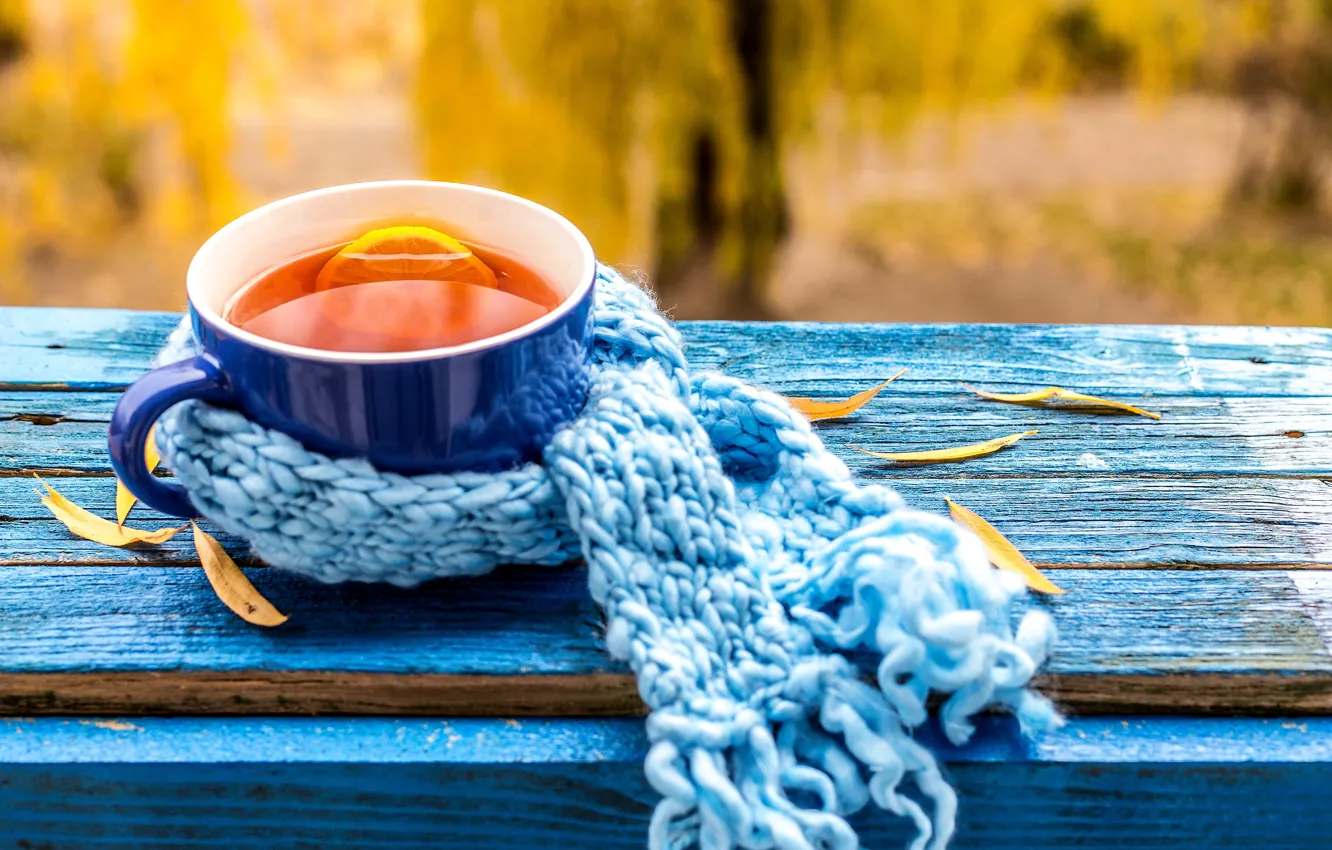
(908, 160)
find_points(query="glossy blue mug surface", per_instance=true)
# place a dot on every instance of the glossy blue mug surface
(487, 405)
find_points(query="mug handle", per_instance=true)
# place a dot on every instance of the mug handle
(200, 377)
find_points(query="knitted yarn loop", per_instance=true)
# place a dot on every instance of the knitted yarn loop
(753, 587)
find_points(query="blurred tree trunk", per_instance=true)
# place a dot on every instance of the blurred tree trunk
(689, 231)
(763, 211)
(1281, 163)
(1285, 83)
(12, 20)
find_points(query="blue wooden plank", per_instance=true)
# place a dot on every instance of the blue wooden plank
(1103, 520)
(1145, 360)
(95, 639)
(66, 432)
(106, 349)
(554, 740)
(72, 349)
(288, 783)
(522, 622)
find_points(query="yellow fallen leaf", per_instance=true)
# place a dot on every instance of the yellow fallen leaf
(988, 447)
(231, 585)
(816, 410)
(124, 498)
(1065, 395)
(1002, 554)
(92, 527)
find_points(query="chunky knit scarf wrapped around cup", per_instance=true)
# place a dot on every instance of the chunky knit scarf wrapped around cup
(753, 587)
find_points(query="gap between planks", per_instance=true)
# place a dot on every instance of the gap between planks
(877, 475)
(597, 695)
(249, 562)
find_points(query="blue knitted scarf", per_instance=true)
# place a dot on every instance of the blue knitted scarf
(786, 625)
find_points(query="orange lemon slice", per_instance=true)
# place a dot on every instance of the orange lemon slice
(404, 253)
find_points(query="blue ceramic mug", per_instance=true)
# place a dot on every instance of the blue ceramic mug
(487, 405)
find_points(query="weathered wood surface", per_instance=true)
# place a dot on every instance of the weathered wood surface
(99, 640)
(1098, 521)
(1196, 548)
(64, 433)
(298, 783)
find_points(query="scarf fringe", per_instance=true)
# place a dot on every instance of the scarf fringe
(737, 785)
(918, 594)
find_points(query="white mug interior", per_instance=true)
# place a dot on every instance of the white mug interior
(271, 234)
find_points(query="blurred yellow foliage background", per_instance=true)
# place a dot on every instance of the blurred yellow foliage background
(1003, 160)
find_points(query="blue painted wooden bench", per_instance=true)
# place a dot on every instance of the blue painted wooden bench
(1194, 652)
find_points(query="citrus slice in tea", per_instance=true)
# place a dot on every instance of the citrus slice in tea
(404, 253)
(395, 315)
(428, 291)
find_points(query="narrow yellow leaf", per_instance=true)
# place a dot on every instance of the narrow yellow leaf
(988, 447)
(124, 501)
(816, 410)
(231, 585)
(1002, 553)
(92, 527)
(1038, 396)
(124, 498)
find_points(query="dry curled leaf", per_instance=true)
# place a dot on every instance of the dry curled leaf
(816, 410)
(1002, 553)
(231, 585)
(988, 447)
(124, 498)
(1061, 394)
(92, 527)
